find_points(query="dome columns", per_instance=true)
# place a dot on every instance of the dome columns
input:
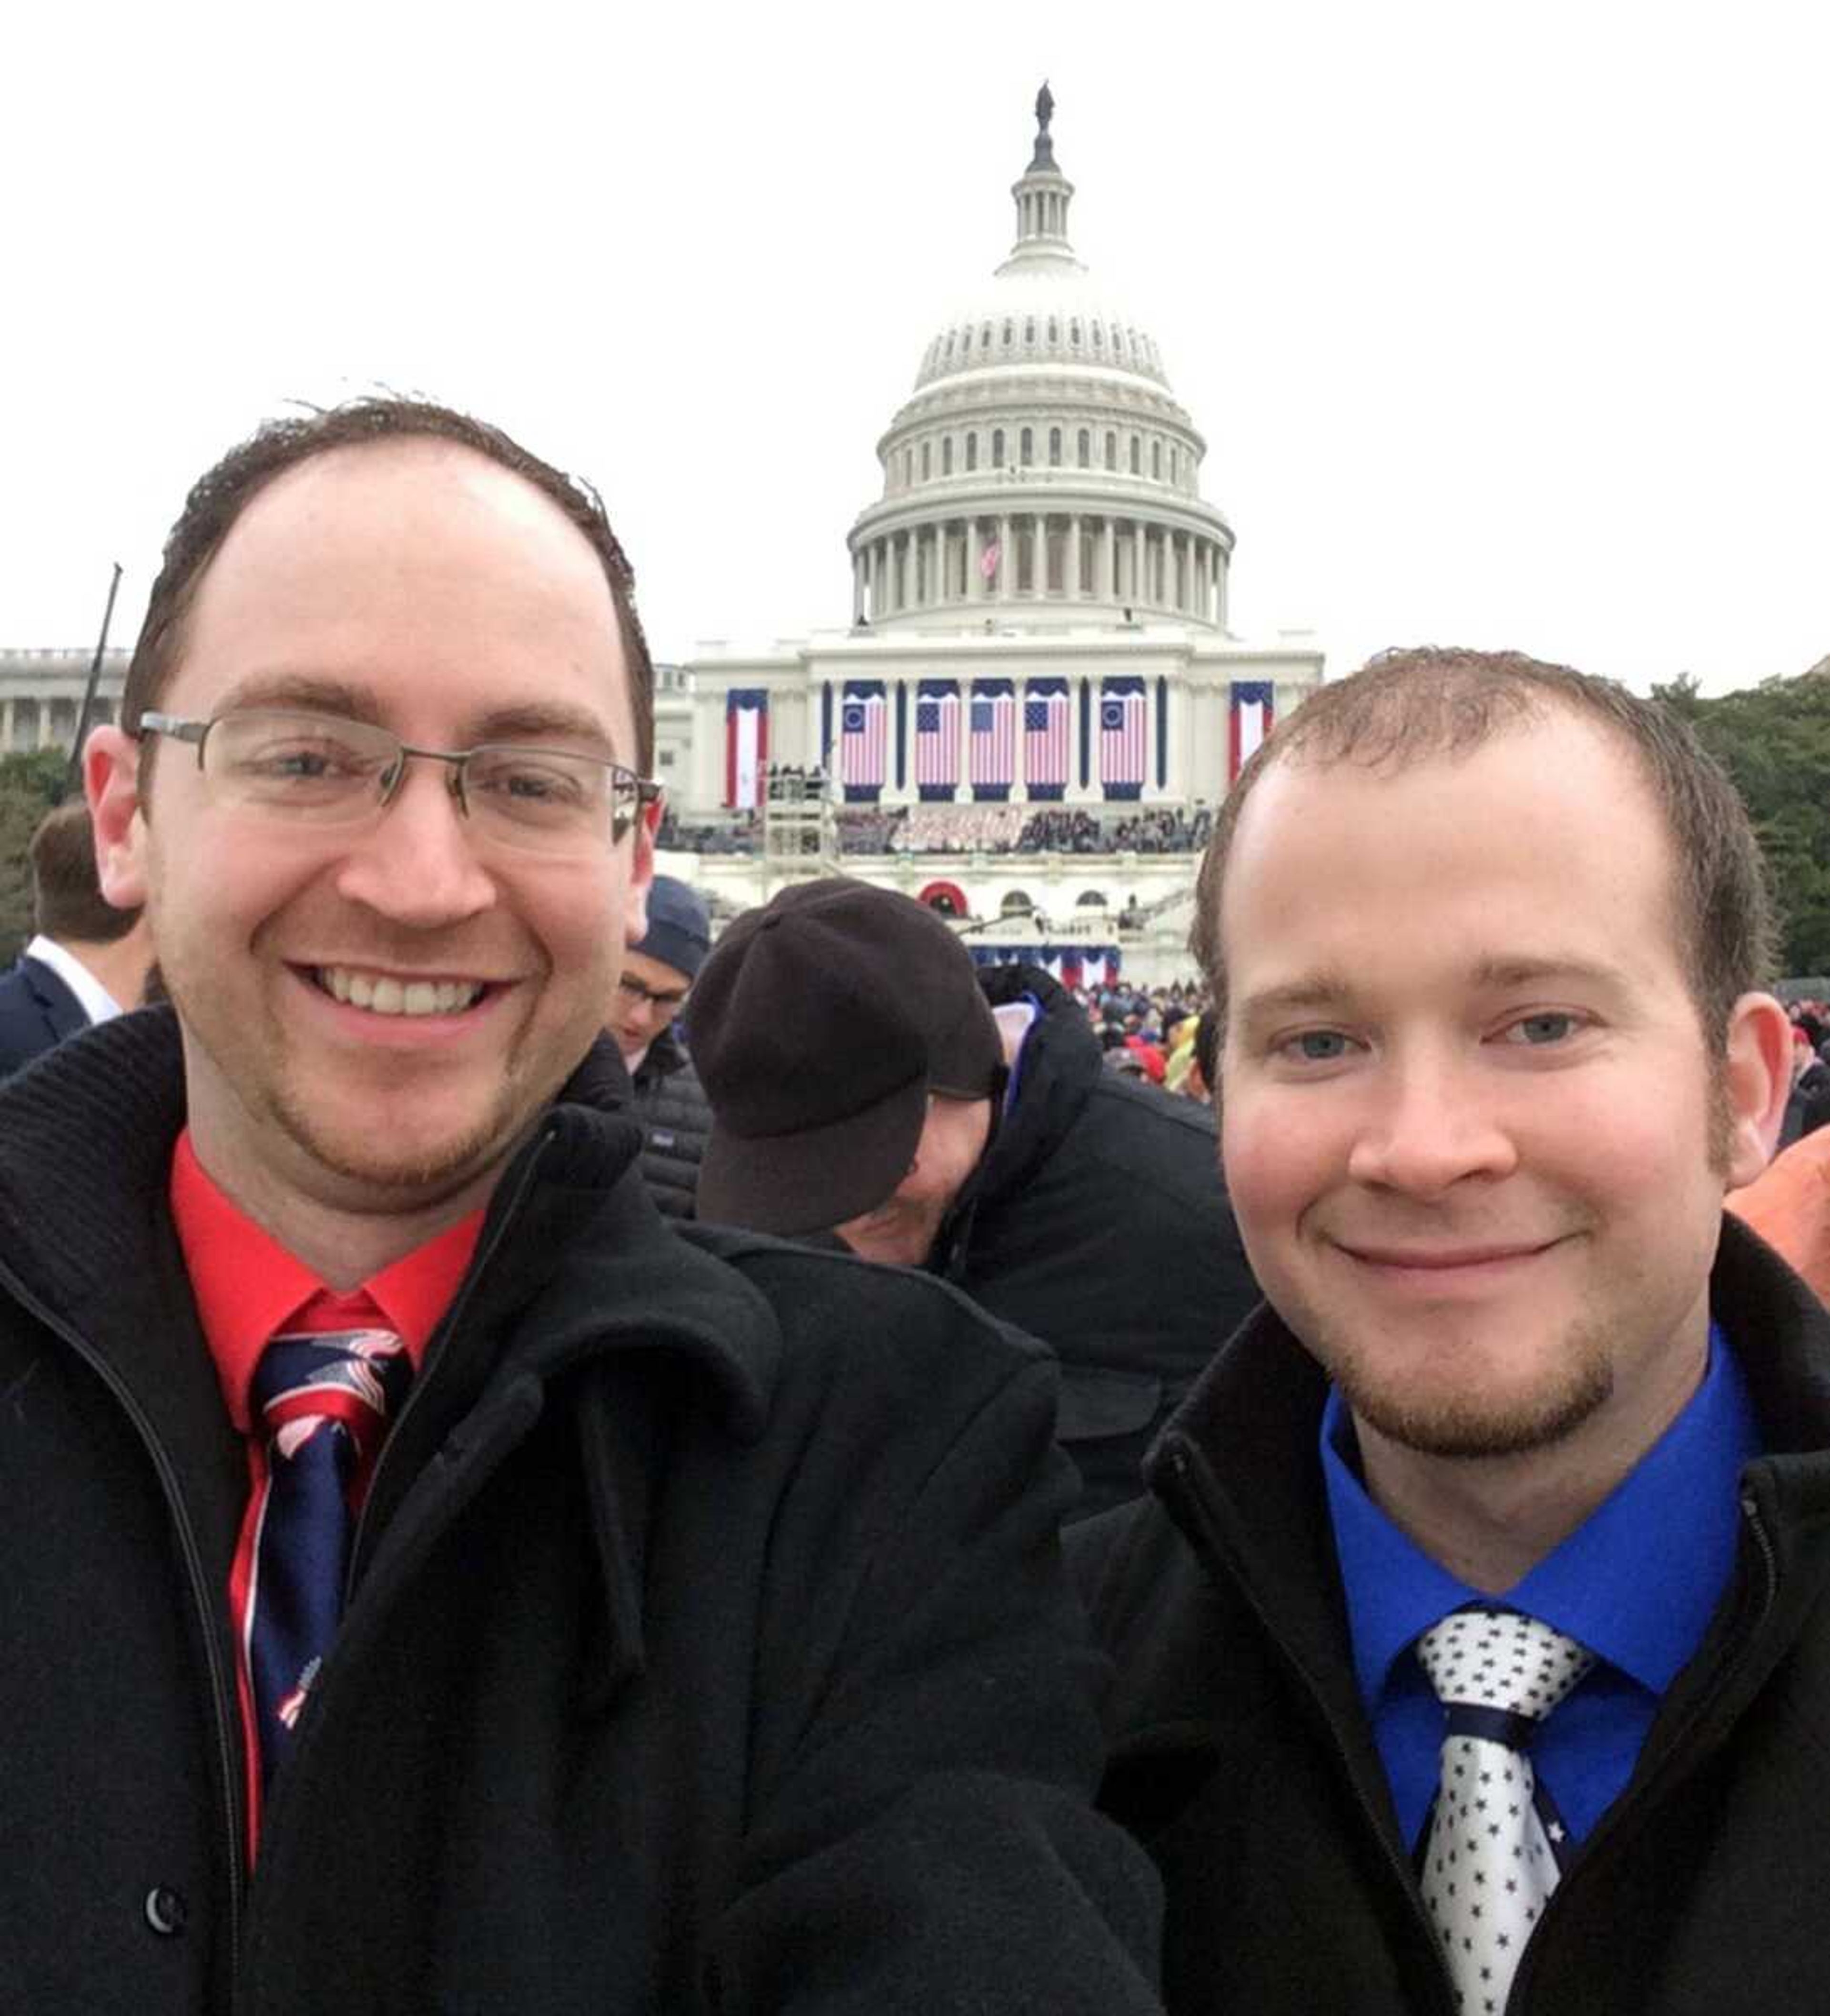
(1017, 560)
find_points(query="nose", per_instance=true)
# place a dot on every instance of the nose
(414, 863)
(1431, 1124)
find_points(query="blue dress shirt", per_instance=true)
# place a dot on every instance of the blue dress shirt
(1636, 1583)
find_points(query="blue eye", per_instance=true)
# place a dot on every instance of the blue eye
(1538, 1030)
(1320, 1046)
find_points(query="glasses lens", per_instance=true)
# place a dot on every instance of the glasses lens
(547, 799)
(315, 766)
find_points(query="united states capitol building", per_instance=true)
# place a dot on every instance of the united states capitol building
(1037, 701)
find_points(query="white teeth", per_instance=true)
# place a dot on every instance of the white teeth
(383, 995)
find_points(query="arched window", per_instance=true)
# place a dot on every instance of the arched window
(927, 461)
(1074, 333)
(1136, 457)
(1156, 460)
(985, 336)
(965, 341)
(1007, 336)
(908, 466)
(1054, 331)
(997, 447)
(1029, 329)
(1099, 335)
(1174, 466)
(950, 343)
(972, 451)
(1054, 447)
(1111, 451)
(1016, 904)
(1026, 447)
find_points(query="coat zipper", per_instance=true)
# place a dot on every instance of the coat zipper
(1193, 1497)
(225, 1721)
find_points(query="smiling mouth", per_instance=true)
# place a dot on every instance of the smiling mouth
(1443, 1260)
(383, 993)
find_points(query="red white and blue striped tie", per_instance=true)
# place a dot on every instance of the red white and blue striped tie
(323, 1398)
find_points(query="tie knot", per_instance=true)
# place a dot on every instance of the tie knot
(1502, 1661)
(354, 1377)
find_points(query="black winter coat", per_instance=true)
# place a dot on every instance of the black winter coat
(707, 1646)
(1097, 1221)
(1243, 1760)
(675, 1120)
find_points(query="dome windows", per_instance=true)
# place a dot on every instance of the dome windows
(1083, 449)
(997, 447)
(1008, 327)
(1156, 460)
(1030, 331)
(1055, 332)
(971, 451)
(1099, 335)
(949, 344)
(1054, 447)
(1026, 447)
(946, 455)
(1137, 456)
(1074, 333)
(985, 336)
(1111, 451)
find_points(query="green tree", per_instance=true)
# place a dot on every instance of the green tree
(1773, 739)
(31, 784)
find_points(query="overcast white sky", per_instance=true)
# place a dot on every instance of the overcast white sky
(1503, 326)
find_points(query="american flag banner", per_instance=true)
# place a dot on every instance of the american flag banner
(746, 746)
(936, 738)
(1122, 737)
(862, 717)
(1047, 714)
(991, 746)
(1249, 720)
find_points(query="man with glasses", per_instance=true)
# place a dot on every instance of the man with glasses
(430, 1583)
(657, 974)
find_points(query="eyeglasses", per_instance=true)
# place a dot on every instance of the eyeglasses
(646, 997)
(322, 770)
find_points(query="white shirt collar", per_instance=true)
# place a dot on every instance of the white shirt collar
(92, 997)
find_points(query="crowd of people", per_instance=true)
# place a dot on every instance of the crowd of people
(557, 1460)
(970, 829)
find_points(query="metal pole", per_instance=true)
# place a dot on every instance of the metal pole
(82, 720)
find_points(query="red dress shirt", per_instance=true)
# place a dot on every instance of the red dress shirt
(247, 1287)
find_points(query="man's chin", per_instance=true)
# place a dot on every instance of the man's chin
(1462, 1426)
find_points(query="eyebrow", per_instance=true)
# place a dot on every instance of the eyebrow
(524, 721)
(1325, 990)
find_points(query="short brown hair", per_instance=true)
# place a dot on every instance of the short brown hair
(219, 495)
(67, 902)
(1411, 706)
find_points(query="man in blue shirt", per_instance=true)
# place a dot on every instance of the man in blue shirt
(1487, 938)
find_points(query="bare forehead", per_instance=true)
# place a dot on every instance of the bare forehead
(416, 483)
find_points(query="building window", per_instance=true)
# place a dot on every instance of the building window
(1099, 335)
(1156, 460)
(1054, 331)
(907, 467)
(1074, 333)
(1054, 447)
(997, 447)
(1007, 336)
(950, 343)
(1111, 451)
(666, 758)
(1029, 330)
(965, 341)
(972, 451)
(927, 460)
(985, 336)
(1083, 448)
(946, 455)
(1026, 447)
(1136, 457)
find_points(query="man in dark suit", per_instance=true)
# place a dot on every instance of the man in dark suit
(87, 960)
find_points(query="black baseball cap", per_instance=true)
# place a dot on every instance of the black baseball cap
(821, 1023)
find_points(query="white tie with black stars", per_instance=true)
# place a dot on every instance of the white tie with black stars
(1489, 1865)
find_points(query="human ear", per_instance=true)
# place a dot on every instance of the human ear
(1757, 1076)
(111, 779)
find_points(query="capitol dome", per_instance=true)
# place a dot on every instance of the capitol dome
(1042, 474)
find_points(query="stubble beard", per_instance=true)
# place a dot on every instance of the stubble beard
(1469, 1427)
